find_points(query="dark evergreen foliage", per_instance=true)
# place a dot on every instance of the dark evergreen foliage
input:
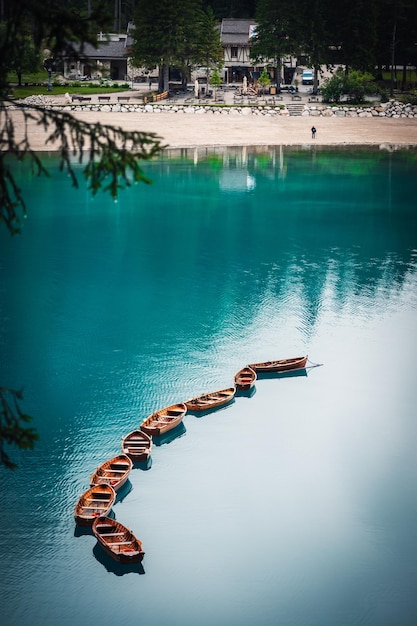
(232, 8)
(361, 35)
(174, 33)
(276, 33)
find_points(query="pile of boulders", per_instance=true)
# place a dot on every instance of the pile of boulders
(40, 100)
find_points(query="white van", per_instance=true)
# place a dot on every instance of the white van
(307, 77)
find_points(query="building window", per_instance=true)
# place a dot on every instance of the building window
(234, 52)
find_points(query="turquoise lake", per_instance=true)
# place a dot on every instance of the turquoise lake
(293, 506)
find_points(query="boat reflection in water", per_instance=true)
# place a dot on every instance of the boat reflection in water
(113, 566)
(288, 374)
(247, 393)
(123, 492)
(143, 465)
(214, 409)
(176, 432)
(81, 531)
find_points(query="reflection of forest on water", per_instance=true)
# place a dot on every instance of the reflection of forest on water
(296, 223)
(257, 230)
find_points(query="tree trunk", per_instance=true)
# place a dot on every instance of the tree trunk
(163, 78)
(278, 73)
(117, 15)
(393, 69)
(404, 79)
(316, 79)
(207, 75)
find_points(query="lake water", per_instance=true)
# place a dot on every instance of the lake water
(295, 506)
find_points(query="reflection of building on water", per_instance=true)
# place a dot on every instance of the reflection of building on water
(236, 180)
(246, 156)
(237, 164)
(282, 165)
(235, 175)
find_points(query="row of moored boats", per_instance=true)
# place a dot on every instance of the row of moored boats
(94, 506)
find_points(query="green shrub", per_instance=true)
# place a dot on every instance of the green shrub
(409, 98)
(264, 79)
(215, 78)
(383, 93)
(356, 85)
(333, 88)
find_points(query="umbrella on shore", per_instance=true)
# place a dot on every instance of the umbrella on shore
(196, 88)
(245, 84)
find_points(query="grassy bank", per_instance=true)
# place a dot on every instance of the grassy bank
(79, 89)
(37, 84)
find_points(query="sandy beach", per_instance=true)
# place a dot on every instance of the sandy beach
(183, 130)
(186, 130)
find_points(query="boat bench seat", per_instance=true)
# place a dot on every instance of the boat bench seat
(113, 534)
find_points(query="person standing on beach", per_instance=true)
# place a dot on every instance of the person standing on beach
(313, 132)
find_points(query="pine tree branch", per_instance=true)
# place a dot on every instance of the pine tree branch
(111, 155)
(12, 429)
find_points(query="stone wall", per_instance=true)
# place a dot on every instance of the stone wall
(389, 109)
(385, 109)
(392, 108)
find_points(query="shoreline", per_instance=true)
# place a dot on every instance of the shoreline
(178, 131)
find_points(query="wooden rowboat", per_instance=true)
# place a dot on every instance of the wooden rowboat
(93, 503)
(113, 472)
(282, 365)
(117, 540)
(245, 378)
(211, 400)
(137, 445)
(163, 420)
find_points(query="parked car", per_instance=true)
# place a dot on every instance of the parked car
(307, 77)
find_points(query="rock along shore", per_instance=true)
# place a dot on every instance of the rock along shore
(390, 109)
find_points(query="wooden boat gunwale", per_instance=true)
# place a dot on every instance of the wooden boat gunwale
(245, 378)
(82, 518)
(211, 399)
(280, 365)
(143, 451)
(121, 544)
(115, 476)
(163, 420)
